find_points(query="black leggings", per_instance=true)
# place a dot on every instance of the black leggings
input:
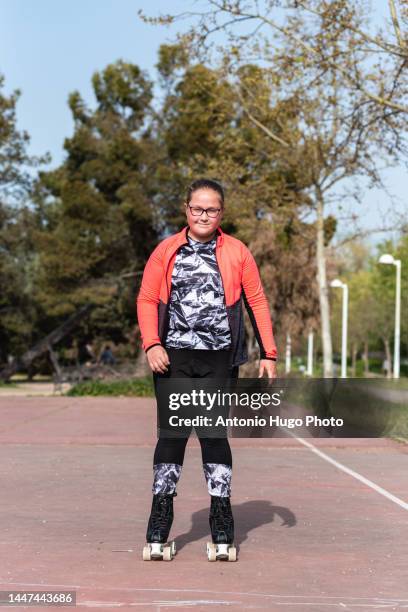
(195, 364)
(213, 450)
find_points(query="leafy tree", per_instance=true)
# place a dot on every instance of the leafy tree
(207, 131)
(371, 321)
(99, 215)
(384, 286)
(17, 221)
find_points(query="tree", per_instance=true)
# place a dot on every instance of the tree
(337, 132)
(352, 266)
(17, 221)
(98, 206)
(362, 316)
(384, 287)
(190, 125)
(401, 252)
(385, 50)
(206, 130)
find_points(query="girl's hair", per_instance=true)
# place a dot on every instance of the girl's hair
(205, 184)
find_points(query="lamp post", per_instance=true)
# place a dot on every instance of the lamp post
(337, 283)
(389, 259)
(309, 370)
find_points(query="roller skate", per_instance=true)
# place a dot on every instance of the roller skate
(158, 529)
(222, 530)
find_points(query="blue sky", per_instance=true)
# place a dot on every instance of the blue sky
(49, 48)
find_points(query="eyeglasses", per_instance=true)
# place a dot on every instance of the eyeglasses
(197, 211)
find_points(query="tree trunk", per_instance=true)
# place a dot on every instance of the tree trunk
(365, 359)
(323, 290)
(288, 355)
(44, 345)
(353, 360)
(388, 356)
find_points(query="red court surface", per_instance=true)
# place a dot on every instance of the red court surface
(313, 535)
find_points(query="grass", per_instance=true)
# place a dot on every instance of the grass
(136, 387)
(375, 369)
(7, 385)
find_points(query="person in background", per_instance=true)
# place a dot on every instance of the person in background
(107, 357)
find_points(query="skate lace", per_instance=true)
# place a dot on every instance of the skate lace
(222, 517)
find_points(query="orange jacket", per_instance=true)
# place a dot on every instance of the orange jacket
(240, 277)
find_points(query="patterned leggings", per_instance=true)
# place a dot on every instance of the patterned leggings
(216, 452)
(217, 464)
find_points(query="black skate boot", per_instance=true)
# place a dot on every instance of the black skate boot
(158, 529)
(222, 530)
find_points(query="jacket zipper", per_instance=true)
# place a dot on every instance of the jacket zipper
(167, 269)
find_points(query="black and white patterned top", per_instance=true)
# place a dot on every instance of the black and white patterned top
(197, 313)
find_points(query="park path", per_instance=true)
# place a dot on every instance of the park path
(75, 487)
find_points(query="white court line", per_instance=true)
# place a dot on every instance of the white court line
(191, 603)
(172, 603)
(351, 472)
(376, 600)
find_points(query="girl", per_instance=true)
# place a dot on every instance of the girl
(191, 321)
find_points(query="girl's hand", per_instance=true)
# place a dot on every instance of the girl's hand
(158, 359)
(268, 366)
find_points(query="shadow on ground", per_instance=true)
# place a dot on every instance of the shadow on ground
(247, 516)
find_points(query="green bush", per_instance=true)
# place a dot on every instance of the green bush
(7, 385)
(136, 387)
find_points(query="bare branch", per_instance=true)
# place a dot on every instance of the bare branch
(357, 84)
(364, 233)
(385, 46)
(261, 125)
(395, 23)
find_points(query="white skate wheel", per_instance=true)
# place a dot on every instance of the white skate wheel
(211, 552)
(147, 554)
(167, 556)
(232, 553)
(173, 549)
